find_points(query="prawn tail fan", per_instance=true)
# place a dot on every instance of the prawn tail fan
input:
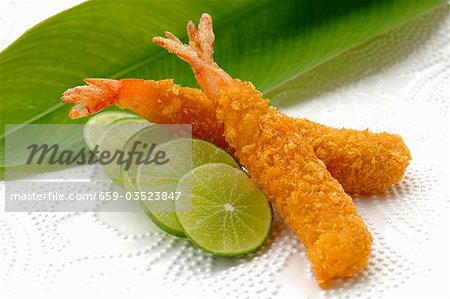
(91, 98)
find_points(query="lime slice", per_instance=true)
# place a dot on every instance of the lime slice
(140, 142)
(204, 152)
(113, 140)
(94, 128)
(221, 211)
(185, 154)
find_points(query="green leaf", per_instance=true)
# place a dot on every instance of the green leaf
(266, 42)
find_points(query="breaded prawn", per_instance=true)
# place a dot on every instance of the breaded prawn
(281, 162)
(161, 102)
(362, 161)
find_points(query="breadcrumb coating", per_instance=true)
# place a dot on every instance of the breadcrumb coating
(163, 102)
(307, 197)
(362, 161)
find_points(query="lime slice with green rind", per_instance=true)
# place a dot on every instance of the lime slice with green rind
(96, 125)
(140, 142)
(162, 212)
(184, 154)
(221, 211)
(114, 139)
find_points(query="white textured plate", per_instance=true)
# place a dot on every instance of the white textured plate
(398, 82)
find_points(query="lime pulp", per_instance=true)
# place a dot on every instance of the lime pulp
(96, 125)
(113, 140)
(184, 154)
(221, 211)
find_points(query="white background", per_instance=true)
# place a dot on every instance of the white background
(398, 82)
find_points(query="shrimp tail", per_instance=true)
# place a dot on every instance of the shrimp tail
(173, 45)
(199, 51)
(199, 54)
(91, 98)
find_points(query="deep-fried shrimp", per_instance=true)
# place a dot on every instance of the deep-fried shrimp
(281, 162)
(362, 161)
(160, 102)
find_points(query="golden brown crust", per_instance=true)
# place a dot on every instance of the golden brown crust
(166, 103)
(304, 193)
(362, 161)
